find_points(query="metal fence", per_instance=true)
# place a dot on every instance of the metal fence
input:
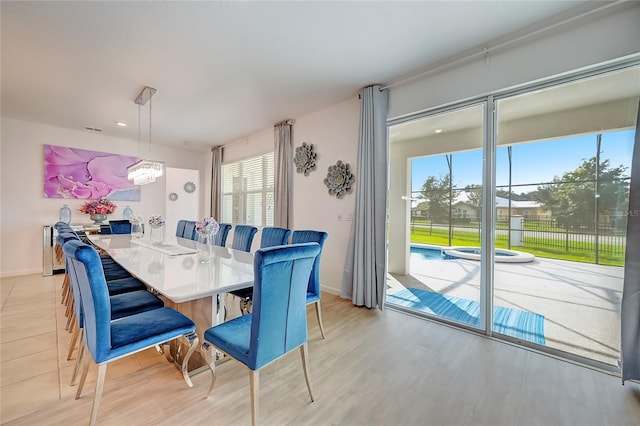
(604, 239)
(591, 243)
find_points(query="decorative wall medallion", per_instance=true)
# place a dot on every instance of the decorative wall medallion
(173, 196)
(189, 187)
(339, 179)
(305, 159)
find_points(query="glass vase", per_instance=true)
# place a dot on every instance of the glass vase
(157, 235)
(65, 214)
(136, 230)
(98, 218)
(205, 247)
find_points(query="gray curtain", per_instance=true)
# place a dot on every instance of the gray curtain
(630, 310)
(216, 174)
(283, 182)
(365, 267)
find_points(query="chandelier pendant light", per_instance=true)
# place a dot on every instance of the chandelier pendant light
(145, 171)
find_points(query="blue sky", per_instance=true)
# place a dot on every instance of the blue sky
(532, 162)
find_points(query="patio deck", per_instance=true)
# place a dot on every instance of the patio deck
(580, 301)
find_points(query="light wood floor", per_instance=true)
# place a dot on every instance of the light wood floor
(374, 368)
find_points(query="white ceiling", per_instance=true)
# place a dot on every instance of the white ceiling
(226, 70)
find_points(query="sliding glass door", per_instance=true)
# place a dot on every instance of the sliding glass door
(508, 214)
(563, 163)
(443, 156)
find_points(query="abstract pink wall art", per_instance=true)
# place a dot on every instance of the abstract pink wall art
(87, 175)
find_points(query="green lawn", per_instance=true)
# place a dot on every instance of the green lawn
(534, 246)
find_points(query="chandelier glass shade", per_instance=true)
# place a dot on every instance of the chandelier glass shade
(145, 171)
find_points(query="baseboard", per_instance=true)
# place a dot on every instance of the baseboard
(17, 273)
(330, 290)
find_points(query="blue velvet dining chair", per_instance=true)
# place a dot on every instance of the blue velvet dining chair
(180, 228)
(190, 230)
(112, 271)
(220, 239)
(272, 236)
(243, 237)
(63, 236)
(122, 305)
(118, 279)
(313, 290)
(108, 340)
(58, 226)
(242, 240)
(115, 287)
(278, 322)
(120, 226)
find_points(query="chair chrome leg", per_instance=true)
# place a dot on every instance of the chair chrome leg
(304, 353)
(168, 348)
(83, 376)
(243, 307)
(69, 310)
(102, 372)
(65, 288)
(78, 359)
(74, 339)
(319, 315)
(207, 351)
(192, 338)
(254, 382)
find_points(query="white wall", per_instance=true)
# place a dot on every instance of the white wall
(565, 49)
(24, 209)
(334, 133)
(186, 206)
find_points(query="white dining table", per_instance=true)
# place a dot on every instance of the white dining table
(192, 277)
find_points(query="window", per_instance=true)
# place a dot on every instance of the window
(247, 191)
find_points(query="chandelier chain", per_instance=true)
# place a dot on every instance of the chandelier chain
(150, 103)
(139, 139)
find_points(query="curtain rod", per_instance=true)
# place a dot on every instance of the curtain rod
(289, 122)
(487, 50)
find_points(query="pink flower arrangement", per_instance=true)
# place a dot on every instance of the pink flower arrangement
(101, 206)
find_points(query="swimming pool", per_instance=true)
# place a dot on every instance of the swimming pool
(426, 253)
(470, 253)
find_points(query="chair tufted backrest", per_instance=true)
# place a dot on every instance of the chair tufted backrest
(180, 228)
(243, 237)
(190, 230)
(220, 239)
(62, 226)
(272, 236)
(88, 274)
(311, 236)
(279, 315)
(120, 226)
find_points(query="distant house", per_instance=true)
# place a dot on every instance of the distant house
(527, 209)
(464, 208)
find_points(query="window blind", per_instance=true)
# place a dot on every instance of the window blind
(247, 191)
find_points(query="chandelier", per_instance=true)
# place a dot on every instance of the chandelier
(145, 171)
